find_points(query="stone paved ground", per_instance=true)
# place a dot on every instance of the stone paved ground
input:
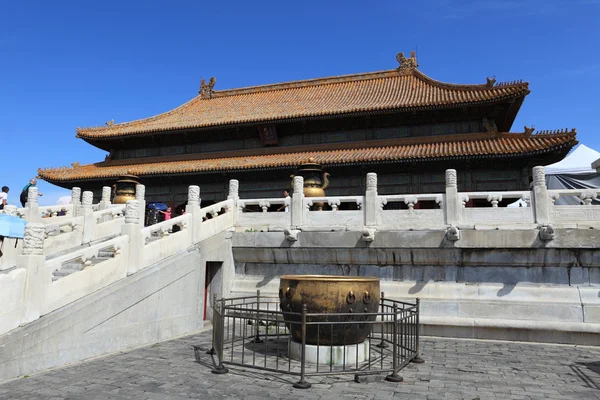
(454, 369)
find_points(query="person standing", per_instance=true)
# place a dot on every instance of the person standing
(167, 214)
(285, 206)
(24, 192)
(4, 197)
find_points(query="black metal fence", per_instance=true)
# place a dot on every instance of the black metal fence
(253, 332)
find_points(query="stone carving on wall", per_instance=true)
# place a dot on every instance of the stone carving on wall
(371, 182)
(368, 235)
(132, 212)
(194, 195)
(291, 235)
(451, 180)
(453, 233)
(207, 89)
(547, 232)
(140, 192)
(10, 210)
(539, 176)
(33, 240)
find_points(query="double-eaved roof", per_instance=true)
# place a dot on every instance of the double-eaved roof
(402, 89)
(393, 90)
(484, 145)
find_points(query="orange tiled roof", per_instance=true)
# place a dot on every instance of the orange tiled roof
(397, 89)
(483, 145)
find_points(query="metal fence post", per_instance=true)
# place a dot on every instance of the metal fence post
(394, 377)
(302, 384)
(382, 344)
(257, 338)
(214, 327)
(220, 369)
(417, 359)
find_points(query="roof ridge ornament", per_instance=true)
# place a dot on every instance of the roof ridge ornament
(407, 63)
(490, 82)
(207, 89)
(529, 131)
(110, 123)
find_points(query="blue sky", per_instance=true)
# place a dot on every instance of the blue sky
(65, 64)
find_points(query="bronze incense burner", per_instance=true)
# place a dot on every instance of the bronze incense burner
(124, 189)
(315, 180)
(327, 294)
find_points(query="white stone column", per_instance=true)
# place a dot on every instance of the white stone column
(133, 229)
(193, 208)
(539, 197)
(451, 203)
(11, 247)
(297, 214)
(140, 196)
(33, 261)
(234, 194)
(371, 200)
(86, 211)
(32, 208)
(75, 200)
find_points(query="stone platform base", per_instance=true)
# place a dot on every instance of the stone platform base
(331, 355)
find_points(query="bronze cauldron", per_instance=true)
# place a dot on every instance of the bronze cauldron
(315, 180)
(124, 189)
(327, 294)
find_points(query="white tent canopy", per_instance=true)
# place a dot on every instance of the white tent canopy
(579, 161)
(572, 172)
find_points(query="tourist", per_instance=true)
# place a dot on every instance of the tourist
(286, 205)
(167, 213)
(4, 197)
(25, 191)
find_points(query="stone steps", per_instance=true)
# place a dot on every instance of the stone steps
(78, 265)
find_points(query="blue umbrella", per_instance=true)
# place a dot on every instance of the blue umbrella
(157, 206)
(12, 227)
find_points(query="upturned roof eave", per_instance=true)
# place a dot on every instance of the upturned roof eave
(94, 140)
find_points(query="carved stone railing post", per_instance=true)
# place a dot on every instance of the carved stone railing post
(297, 214)
(452, 204)
(33, 261)
(372, 202)
(86, 211)
(140, 196)
(540, 199)
(32, 208)
(234, 194)
(75, 200)
(11, 247)
(193, 207)
(133, 229)
(105, 199)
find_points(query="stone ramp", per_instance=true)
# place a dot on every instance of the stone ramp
(162, 301)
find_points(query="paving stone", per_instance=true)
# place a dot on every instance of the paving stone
(454, 369)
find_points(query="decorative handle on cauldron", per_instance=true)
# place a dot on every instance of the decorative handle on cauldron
(350, 298)
(367, 297)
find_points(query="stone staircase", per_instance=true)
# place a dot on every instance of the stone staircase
(80, 264)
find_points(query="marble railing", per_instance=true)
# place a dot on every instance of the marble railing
(38, 284)
(441, 210)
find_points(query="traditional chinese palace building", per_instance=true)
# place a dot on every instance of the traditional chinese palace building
(400, 123)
